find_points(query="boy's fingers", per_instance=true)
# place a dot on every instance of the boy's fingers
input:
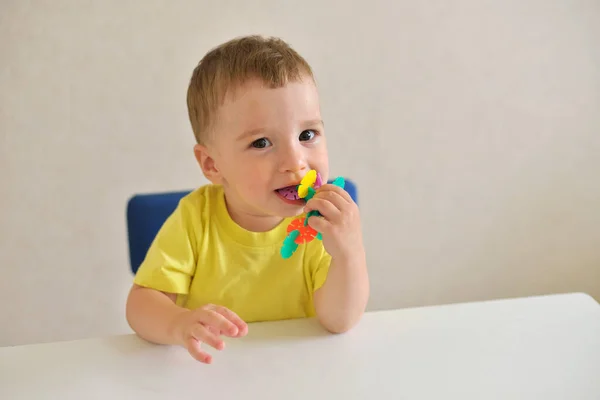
(193, 347)
(334, 198)
(211, 317)
(242, 327)
(213, 330)
(203, 334)
(338, 190)
(326, 208)
(319, 224)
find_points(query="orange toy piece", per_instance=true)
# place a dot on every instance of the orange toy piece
(307, 234)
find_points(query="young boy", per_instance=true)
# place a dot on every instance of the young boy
(215, 264)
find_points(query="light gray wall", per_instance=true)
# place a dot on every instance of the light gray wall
(472, 129)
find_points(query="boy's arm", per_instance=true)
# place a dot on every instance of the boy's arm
(152, 314)
(342, 299)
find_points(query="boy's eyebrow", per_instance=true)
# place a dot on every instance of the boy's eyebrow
(313, 122)
(250, 133)
(256, 131)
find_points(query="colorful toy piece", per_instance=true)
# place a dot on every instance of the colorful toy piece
(309, 180)
(298, 230)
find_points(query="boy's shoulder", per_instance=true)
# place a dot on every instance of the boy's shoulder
(205, 193)
(201, 201)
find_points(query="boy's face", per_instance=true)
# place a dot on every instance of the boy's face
(264, 140)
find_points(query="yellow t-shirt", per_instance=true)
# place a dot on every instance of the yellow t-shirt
(202, 255)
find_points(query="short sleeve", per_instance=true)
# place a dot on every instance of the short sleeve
(321, 268)
(171, 259)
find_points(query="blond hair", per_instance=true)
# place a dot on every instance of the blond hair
(232, 64)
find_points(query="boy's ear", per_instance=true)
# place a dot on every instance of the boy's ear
(207, 164)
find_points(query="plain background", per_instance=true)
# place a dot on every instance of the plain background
(471, 127)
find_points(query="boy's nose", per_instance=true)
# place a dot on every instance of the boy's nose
(293, 161)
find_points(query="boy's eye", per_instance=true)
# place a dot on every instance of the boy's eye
(261, 143)
(307, 135)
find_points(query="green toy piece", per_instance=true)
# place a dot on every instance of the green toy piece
(289, 244)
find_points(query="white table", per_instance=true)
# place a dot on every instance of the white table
(532, 348)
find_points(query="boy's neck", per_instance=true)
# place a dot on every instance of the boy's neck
(252, 222)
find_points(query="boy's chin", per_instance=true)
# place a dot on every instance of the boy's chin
(291, 211)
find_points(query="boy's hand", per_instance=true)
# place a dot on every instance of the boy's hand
(205, 325)
(339, 222)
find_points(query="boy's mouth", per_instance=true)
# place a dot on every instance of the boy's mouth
(289, 193)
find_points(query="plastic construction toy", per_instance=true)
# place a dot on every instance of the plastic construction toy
(299, 232)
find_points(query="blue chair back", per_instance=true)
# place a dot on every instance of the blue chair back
(146, 214)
